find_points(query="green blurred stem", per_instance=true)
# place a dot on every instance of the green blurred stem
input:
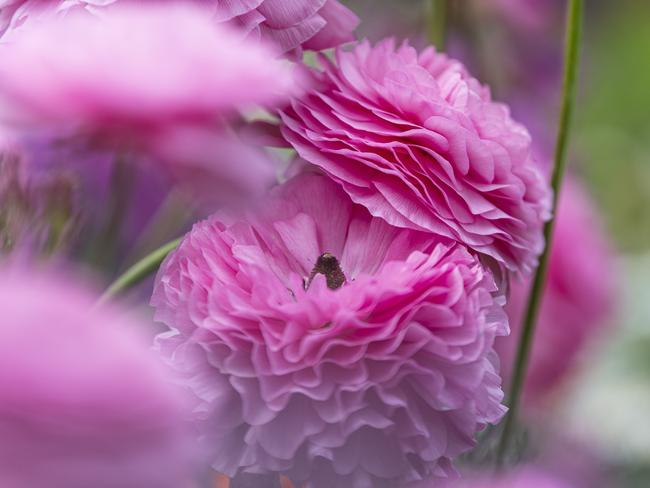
(139, 271)
(437, 23)
(571, 59)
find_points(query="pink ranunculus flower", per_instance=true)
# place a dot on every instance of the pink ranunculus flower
(578, 300)
(84, 401)
(326, 345)
(419, 142)
(134, 68)
(290, 25)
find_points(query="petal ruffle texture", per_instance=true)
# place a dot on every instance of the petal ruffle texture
(378, 383)
(419, 142)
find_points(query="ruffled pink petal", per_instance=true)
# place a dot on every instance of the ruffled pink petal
(419, 142)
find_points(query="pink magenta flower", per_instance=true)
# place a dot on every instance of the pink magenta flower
(134, 66)
(84, 402)
(287, 24)
(326, 345)
(419, 142)
(578, 299)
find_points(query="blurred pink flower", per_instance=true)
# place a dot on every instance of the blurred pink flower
(578, 300)
(133, 82)
(243, 171)
(530, 16)
(136, 67)
(84, 402)
(527, 477)
(419, 142)
(287, 24)
(324, 344)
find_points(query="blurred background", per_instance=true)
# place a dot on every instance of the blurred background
(602, 410)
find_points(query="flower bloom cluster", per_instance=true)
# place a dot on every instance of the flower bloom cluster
(342, 335)
(341, 329)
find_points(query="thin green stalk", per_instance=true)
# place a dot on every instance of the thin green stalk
(571, 58)
(138, 271)
(437, 23)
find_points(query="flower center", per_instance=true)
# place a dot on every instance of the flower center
(329, 266)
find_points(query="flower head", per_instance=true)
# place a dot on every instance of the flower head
(84, 402)
(324, 344)
(419, 142)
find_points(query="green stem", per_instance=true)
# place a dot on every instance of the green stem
(138, 271)
(437, 23)
(571, 58)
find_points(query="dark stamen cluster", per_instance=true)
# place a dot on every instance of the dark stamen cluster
(329, 266)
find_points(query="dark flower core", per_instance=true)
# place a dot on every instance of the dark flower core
(329, 266)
